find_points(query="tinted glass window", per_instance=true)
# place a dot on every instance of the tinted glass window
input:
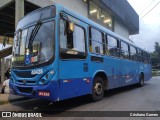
(72, 43)
(29, 53)
(96, 41)
(41, 14)
(145, 57)
(124, 50)
(112, 46)
(133, 53)
(140, 54)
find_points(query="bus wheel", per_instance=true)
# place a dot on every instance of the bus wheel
(141, 81)
(97, 89)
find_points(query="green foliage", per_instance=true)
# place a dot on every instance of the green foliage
(155, 56)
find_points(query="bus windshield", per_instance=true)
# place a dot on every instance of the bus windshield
(37, 51)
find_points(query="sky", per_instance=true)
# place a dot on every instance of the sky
(149, 24)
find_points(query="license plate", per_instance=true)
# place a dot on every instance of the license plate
(44, 93)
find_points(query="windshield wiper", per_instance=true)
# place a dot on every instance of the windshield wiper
(33, 34)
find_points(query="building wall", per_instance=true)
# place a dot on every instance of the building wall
(78, 6)
(81, 7)
(120, 29)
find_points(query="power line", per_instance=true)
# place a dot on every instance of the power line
(149, 10)
(146, 7)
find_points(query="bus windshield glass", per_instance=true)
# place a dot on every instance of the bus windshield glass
(39, 50)
(43, 14)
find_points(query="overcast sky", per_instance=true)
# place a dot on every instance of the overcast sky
(149, 25)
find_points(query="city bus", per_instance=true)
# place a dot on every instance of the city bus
(59, 54)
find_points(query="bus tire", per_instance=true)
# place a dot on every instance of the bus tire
(97, 89)
(141, 81)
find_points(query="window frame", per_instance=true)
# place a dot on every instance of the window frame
(90, 39)
(117, 46)
(132, 53)
(85, 41)
(125, 50)
(140, 55)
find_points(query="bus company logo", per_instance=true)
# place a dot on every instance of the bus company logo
(6, 114)
(38, 72)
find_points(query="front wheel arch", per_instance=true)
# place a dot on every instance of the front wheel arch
(104, 76)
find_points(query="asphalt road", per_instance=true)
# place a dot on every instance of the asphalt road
(132, 98)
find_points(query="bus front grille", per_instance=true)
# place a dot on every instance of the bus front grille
(26, 82)
(25, 74)
(25, 90)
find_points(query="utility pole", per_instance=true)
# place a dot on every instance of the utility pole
(2, 69)
(19, 10)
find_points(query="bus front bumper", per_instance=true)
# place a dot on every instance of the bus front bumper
(46, 92)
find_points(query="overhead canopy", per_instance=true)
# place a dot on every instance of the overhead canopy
(7, 16)
(5, 52)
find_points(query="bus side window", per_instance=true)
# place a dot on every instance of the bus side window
(112, 46)
(107, 49)
(72, 40)
(133, 53)
(90, 40)
(66, 35)
(124, 50)
(63, 36)
(118, 48)
(140, 53)
(96, 41)
(103, 42)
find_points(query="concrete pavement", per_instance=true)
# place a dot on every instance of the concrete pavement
(131, 98)
(6, 98)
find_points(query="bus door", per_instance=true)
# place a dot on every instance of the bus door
(73, 63)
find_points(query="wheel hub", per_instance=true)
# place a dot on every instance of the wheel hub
(98, 88)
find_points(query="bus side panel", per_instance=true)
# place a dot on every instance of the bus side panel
(111, 67)
(141, 69)
(115, 72)
(147, 72)
(74, 81)
(130, 72)
(146, 69)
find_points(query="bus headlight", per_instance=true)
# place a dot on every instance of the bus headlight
(46, 78)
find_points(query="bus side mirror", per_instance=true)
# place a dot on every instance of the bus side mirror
(5, 40)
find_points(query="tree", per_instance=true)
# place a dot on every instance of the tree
(155, 56)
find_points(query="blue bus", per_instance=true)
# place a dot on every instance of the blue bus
(58, 54)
